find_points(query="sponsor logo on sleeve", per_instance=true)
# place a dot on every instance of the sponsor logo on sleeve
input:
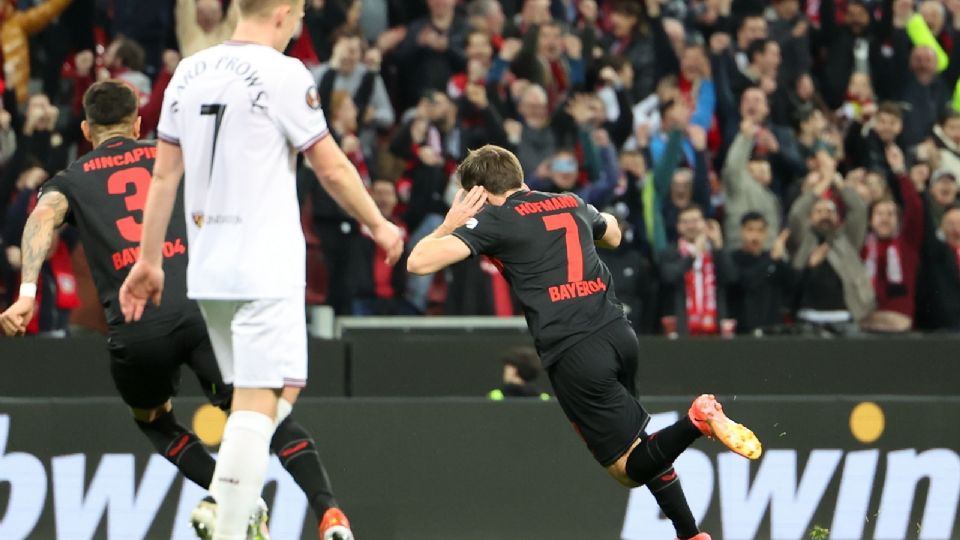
(313, 98)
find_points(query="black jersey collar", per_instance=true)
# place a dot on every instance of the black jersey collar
(112, 141)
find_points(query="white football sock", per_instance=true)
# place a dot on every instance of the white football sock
(241, 468)
(284, 408)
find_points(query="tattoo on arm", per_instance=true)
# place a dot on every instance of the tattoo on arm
(39, 232)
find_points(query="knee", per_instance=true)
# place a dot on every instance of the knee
(150, 415)
(619, 472)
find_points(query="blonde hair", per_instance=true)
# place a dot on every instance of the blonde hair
(260, 7)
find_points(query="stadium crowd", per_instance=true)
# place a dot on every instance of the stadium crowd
(777, 166)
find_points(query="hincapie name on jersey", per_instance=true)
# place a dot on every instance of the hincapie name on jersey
(120, 160)
(546, 205)
(127, 256)
(577, 289)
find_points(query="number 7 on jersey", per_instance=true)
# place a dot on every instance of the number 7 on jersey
(572, 237)
(215, 110)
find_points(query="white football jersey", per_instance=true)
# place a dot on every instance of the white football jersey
(240, 113)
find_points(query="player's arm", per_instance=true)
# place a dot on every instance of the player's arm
(145, 281)
(167, 172)
(340, 178)
(611, 235)
(38, 235)
(441, 248)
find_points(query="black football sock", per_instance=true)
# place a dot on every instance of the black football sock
(298, 455)
(181, 447)
(658, 451)
(666, 489)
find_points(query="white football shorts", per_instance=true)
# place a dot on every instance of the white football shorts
(259, 343)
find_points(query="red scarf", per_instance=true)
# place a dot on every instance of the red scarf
(700, 283)
(893, 268)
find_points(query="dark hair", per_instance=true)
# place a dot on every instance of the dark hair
(346, 33)
(665, 106)
(948, 114)
(630, 8)
(753, 216)
(526, 361)
(755, 47)
(743, 20)
(691, 208)
(130, 54)
(109, 103)
(494, 168)
(892, 108)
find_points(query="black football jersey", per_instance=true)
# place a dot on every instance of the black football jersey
(544, 245)
(107, 192)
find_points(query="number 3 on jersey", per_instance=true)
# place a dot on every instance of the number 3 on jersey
(572, 237)
(117, 184)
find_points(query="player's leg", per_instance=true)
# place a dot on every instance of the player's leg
(146, 374)
(665, 486)
(242, 337)
(589, 381)
(298, 454)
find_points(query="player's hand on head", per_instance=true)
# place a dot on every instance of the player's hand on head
(14, 320)
(144, 283)
(389, 237)
(466, 204)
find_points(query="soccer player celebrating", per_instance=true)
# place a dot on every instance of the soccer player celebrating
(233, 117)
(545, 246)
(99, 193)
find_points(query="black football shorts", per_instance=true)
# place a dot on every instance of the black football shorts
(595, 384)
(146, 368)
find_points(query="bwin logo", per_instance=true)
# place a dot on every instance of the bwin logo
(855, 495)
(119, 498)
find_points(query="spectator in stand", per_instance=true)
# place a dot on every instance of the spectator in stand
(834, 289)
(765, 278)
(150, 24)
(201, 24)
(891, 252)
(358, 74)
(432, 51)
(856, 44)
(774, 141)
(860, 102)
(865, 143)
(762, 69)
(695, 274)
(16, 26)
(124, 60)
(57, 286)
(789, 26)
(942, 258)
(634, 275)
(377, 286)
(479, 53)
(564, 172)
(324, 20)
(646, 113)
(550, 59)
(924, 93)
(533, 137)
(638, 38)
(521, 367)
(947, 138)
(487, 16)
(746, 183)
(430, 145)
(674, 187)
(940, 196)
